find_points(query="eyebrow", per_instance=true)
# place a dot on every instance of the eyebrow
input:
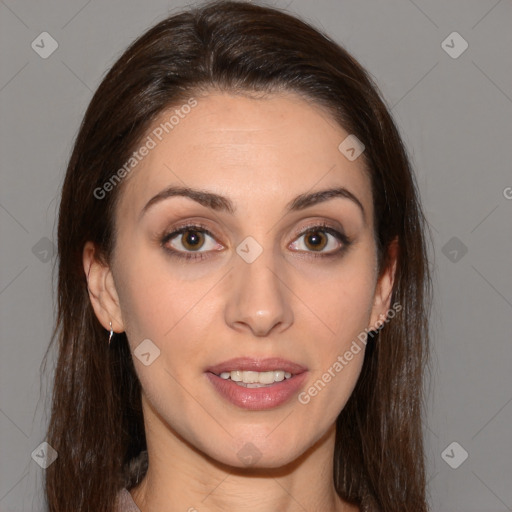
(223, 204)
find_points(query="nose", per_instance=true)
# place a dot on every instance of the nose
(258, 298)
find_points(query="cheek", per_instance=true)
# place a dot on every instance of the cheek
(149, 304)
(172, 315)
(346, 316)
(343, 306)
(342, 300)
(339, 351)
(175, 314)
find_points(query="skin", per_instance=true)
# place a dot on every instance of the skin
(260, 153)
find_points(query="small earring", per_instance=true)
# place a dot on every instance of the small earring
(111, 333)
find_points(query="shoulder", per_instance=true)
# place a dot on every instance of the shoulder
(125, 502)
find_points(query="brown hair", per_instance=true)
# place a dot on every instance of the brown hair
(96, 422)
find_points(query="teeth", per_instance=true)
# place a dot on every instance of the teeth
(250, 377)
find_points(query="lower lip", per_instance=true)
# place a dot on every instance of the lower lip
(257, 399)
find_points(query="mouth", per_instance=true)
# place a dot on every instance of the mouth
(257, 384)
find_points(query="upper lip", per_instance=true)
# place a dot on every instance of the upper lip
(257, 365)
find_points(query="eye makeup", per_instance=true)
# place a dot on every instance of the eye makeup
(319, 232)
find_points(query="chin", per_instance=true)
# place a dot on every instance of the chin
(249, 453)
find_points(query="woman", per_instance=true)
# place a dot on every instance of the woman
(243, 284)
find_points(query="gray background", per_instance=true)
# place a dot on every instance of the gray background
(455, 117)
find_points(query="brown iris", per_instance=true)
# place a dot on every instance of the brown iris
(192, 239)
(318, 238)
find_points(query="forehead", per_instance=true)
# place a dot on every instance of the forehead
(260, 152)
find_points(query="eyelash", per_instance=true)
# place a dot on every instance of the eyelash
(198, 227)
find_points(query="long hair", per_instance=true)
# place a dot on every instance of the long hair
(96, 422)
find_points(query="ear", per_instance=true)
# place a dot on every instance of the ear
(102, 290)
(384, 288)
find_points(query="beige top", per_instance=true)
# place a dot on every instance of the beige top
(125, 502)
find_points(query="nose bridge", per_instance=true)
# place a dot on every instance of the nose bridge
(258, 298)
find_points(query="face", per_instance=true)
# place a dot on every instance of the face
(273, 273)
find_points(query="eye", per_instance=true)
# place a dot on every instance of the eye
(189, 238)
(190, 242)
(322, 239)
